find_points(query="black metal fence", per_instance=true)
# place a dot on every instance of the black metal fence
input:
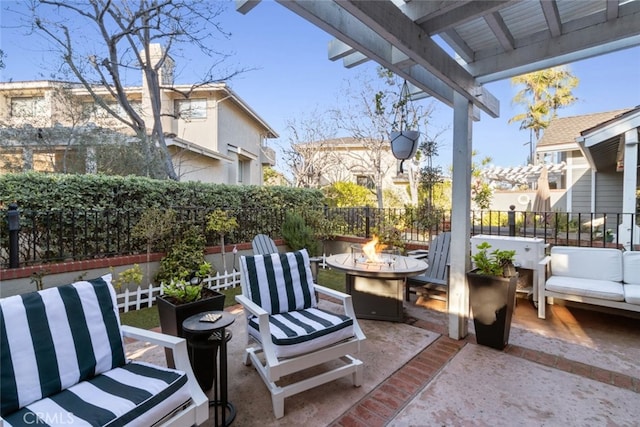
(80, 234)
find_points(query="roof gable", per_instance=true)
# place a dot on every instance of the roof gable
(565, 130)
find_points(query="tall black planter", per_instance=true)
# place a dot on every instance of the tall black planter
(171, 318)
(492, 301)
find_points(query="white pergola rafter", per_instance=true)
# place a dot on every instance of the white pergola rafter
(388, 21)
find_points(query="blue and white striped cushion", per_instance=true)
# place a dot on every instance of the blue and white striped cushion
(55, 338)
(302, 331)
(279, 283)
(136, 394)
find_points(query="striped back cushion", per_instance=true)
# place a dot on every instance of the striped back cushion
(279, 283)
(55, 338)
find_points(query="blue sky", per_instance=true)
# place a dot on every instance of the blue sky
(293, 78)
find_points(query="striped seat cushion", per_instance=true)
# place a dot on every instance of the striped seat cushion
(136, 394)
(55, 338)
(302, 331)
(279, 283)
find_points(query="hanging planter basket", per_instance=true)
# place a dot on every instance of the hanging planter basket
(404, 139)
(404, 144)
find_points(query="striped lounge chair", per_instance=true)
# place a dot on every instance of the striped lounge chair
(286, 325)
(63, 362)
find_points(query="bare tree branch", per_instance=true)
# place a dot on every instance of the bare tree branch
(100, 41)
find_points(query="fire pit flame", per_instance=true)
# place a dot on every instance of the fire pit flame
(370, 250)
(374, 254)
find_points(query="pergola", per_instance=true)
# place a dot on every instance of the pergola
(449, 48)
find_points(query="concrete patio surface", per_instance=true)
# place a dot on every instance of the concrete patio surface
(576, 368)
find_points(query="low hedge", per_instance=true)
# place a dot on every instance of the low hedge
(43, 191)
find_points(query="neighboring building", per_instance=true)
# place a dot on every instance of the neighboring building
(597, 149)
(594, 168)
(213, 136)
(352, 160)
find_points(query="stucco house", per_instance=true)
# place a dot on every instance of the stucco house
(355, 160)
(213, 135)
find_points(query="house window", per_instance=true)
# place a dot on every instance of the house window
(102, 113)
(365, 181)
(190, 108)
(243, 171)
(27, 106)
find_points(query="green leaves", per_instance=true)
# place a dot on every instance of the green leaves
(494, 263)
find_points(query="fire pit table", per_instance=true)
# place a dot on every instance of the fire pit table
(376, 287)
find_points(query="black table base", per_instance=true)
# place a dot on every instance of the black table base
(207, 342)
(229, 408)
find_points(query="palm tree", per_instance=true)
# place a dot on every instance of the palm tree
(544, 92)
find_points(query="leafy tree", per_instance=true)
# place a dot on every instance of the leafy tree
(481, 191)
(430, 175)
(127, 31)
(542, 94)
(347, 194)
(273, 177)
(220, 223)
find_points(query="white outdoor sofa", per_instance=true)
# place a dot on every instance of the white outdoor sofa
(601, 276)
(63, 363)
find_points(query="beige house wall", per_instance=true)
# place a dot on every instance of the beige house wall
(345, 162)
(224, 147)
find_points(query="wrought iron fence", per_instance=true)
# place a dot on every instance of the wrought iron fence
(80, 234)
(59, 235)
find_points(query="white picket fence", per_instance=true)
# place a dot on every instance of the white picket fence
(145, 297)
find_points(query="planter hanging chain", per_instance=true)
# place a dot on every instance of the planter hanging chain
(404, 110)
(404, 134)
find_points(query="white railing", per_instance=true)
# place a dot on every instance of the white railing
(145, 297)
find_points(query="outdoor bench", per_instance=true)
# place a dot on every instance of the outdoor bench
(63, 362)
(601, 276)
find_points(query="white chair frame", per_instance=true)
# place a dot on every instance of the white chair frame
(271, 368)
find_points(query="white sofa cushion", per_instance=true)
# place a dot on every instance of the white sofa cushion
(631, 267)
(587, 263)
(603, 289)
(632, 294)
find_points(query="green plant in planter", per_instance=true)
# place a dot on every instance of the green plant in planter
(609, 235)
(182, 290)
(495, 263)
(183, 268)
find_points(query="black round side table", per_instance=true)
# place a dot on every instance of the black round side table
(201, 334)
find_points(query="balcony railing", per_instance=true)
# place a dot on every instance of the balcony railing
(76, 234)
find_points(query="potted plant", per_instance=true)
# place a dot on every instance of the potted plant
(609, 236)
(181, 273)
(492, 294)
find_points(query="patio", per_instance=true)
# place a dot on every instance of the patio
(576, 367)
